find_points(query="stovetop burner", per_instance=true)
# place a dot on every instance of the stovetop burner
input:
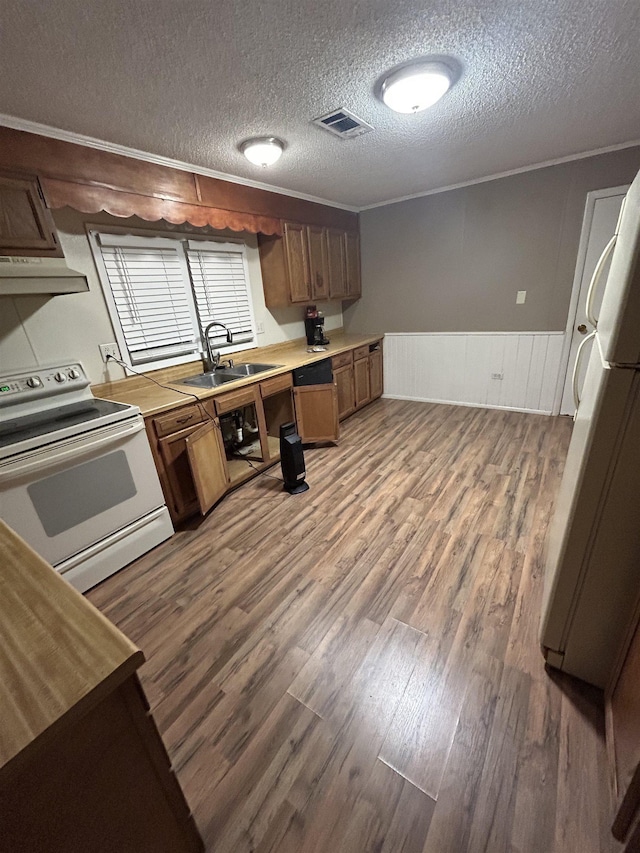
(49, 404)
(51, 420)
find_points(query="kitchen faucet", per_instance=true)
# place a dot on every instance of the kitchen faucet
(211, 358)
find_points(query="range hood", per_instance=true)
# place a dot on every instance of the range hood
(31, 276)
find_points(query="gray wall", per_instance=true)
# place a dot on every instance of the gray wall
(453, 261)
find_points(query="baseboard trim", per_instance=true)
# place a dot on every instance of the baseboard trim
(466, 405)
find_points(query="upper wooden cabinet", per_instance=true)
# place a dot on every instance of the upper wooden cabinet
(26, 226)
(337, 264)
(352, 265)
(297, 261)
(318, 262)
(309, 263)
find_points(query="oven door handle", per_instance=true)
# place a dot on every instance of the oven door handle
(48, 458)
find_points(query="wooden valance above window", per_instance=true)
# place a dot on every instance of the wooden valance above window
(91, 198)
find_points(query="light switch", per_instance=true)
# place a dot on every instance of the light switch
(521, 296)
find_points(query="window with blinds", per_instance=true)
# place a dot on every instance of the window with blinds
(163, 292)
(221, 288)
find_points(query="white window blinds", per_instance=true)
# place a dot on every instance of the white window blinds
(221, 287)
(162, 292)
(151, 298)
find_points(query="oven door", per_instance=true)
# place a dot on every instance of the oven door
(69, 495)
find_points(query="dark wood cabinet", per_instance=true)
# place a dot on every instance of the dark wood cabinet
(309, 263)
(196, 469)
(352, 265)
(182, 498)
(26, 226)
(297, 258)
(318, 262)
(375, 373)
(343, 378)
(317, 412)
(361, 381)
(337, 271)
(205, 450)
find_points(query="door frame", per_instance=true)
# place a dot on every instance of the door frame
(585, 232)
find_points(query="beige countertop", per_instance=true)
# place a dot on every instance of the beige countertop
(59, 656)
(152, 399)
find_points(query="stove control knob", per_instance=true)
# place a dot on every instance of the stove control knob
(60, 377)
(74, 374)
(34, 382)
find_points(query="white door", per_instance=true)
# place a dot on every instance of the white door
(599, 223)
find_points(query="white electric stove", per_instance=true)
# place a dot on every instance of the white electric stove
(77, 479)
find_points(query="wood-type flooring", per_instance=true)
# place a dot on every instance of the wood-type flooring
(356, 669)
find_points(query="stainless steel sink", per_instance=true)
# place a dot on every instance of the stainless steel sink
(250, 369)
(210, 380)
(226, 374)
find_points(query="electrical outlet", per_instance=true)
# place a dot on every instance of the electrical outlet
(259, 328)
(107, 350)
(497, 375)
(521, 296)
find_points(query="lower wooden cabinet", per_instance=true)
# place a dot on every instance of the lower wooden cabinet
(317, 412)
(196, 461)
(175, 473)
(205, 450)
(101, 783)
(358, 377)
(375, 373)
(361, 382)
(343, 378)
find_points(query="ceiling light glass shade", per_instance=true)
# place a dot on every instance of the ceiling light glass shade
(416, 87)
(262, 151)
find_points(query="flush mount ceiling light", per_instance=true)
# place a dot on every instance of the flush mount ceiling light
(416, 86)
(263, 150)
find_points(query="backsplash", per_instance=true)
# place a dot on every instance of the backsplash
(37, 331)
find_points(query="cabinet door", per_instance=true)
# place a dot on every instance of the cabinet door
(352, 264)
(337, 276)
(317, 412)
(361, 380)
(343, 377)
(318, 262)
(375, 373)
(173, 450)
(25, 223)
(295, 245)
(207, 463)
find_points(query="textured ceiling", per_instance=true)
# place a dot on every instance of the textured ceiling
(189, 79)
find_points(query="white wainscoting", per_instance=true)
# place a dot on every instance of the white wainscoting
(457, 368)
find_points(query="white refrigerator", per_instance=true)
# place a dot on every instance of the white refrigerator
(592, 580)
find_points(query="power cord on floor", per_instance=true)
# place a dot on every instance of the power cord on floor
(249, 462)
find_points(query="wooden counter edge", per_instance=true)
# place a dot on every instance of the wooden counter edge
(91, 700)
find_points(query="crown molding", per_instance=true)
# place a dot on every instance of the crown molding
(571, 157)
(102, 145)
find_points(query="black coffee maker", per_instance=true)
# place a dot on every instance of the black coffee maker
(314, 327)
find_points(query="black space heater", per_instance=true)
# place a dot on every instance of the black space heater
(292, 460)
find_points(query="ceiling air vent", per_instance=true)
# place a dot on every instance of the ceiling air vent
(343, 123)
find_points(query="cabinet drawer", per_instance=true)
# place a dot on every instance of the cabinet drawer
(342, 360)
(174, 421)
(278, 383)
(236, 399)
(361, 352)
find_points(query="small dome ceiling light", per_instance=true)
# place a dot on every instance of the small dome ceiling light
(263, 150)
(416, 86)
